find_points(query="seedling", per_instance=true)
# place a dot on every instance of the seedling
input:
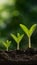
(17, 38)
(29, 32)
(7, 44)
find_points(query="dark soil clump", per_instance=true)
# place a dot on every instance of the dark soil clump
(19, 57)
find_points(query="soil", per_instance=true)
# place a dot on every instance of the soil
(19, 57)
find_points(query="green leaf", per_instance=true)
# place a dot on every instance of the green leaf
(18, 34)
(7, 43)
(28, 31)
(17, 38)
(14, 37)
(20, 38)
(4, 44)
(33, 27)
(25, 29)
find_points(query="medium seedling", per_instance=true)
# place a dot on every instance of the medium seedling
(17, 38)
(7, 44)
(29, 32)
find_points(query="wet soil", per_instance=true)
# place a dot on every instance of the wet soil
(19, 57)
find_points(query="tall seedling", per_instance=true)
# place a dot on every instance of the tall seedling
(29, 32)
(17, 38)
(7, 44)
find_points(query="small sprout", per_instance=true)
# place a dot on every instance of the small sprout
(29, 32)
(7, 44)
(17, 38)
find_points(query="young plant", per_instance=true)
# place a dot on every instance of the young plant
(17, 38)
(29, 32)
(7, 44)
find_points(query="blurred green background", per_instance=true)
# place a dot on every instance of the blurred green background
(14, 12)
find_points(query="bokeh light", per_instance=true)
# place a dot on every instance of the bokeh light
(5, 15)
(5, 11)
(7, 2)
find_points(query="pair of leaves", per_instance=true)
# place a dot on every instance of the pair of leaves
(7, 43)
(30, 31)
(17, 38)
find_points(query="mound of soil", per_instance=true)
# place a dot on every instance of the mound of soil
(19, 57)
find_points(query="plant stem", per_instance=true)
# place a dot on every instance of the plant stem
(17, 46)
(29, 42)
(7, 49)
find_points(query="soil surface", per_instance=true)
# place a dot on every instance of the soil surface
(19, 57)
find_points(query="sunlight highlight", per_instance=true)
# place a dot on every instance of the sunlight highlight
(2, 2)
(7, 2)
(5, 14)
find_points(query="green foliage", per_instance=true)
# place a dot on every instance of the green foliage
(15, 12)
(28, 31)
(7, 44)
(33, 27)
(17, 38)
